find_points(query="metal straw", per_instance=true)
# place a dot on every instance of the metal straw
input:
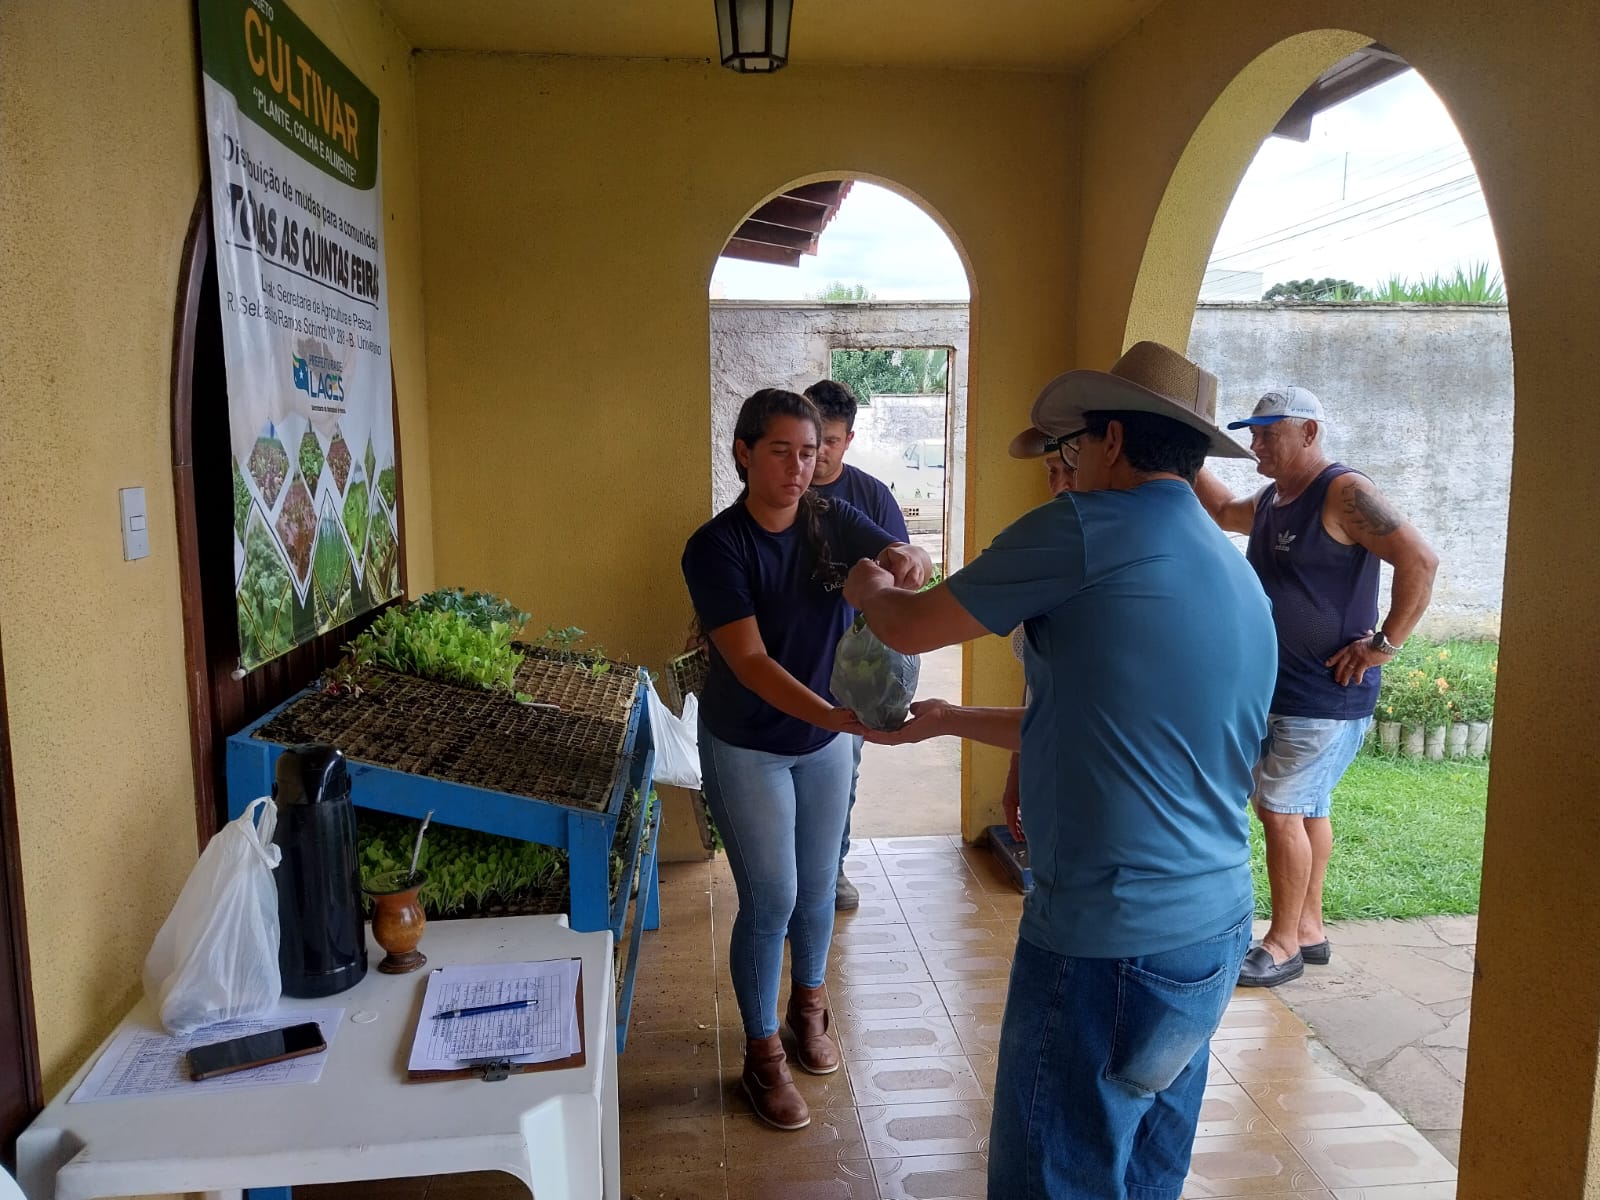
(416, 851)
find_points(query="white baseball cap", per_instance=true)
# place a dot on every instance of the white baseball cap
(1283, 402)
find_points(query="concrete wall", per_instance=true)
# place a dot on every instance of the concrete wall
(763, 343)
(1418, 397)
(888, 423)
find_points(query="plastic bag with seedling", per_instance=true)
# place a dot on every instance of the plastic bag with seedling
(872, 680)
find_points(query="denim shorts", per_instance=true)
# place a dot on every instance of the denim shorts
(1302, 760)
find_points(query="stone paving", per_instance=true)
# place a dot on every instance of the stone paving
(1393, 1007)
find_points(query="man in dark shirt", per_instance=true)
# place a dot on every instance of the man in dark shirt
(1317, 533)
(838, 481)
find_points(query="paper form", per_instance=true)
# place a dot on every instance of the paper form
(144, 1062)
(546, 1031)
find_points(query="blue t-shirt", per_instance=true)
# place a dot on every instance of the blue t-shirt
(871, 496)
(737, 569)
(1151, 659)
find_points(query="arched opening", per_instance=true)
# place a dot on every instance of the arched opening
(1412, 390)
(874, 291)
(1207, 175)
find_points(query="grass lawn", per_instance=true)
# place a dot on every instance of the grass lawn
(1407, 840)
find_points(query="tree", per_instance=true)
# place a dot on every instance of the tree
(871, 373)
(839, 292)
(1307, 291)
(1470, 284)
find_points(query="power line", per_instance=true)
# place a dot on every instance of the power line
(1329, 210)
(1394, 161)
(1327, 242)
(1315, 213)
(1294, 232)
(1370, 230)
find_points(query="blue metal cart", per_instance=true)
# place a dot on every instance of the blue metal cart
(586, 835)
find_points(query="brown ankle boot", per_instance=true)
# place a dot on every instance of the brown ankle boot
(808, 1017)
(770, 1086)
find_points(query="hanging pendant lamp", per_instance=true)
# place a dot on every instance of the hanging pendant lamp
(754, 34)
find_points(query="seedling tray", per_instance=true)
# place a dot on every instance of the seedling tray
(484, 762)
(471, 736)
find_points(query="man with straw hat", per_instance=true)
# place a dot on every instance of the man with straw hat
(1145, 635)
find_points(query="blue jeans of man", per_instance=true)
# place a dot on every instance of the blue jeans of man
(1103, 1068)
(781, 817)
(855, 774)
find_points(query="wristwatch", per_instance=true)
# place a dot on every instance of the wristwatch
(1383, 645)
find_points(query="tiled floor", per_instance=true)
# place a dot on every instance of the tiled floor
(1395, 1006)
(917, 983)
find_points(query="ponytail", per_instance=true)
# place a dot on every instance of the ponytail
(812, 509)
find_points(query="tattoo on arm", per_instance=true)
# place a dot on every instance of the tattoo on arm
(1365, 511)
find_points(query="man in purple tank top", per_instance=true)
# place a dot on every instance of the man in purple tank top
(1317, 534)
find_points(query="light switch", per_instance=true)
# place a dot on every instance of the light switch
(135, 537)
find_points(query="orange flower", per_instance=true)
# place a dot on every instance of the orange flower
(1442, 685)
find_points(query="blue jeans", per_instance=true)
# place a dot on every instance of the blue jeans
(1103, 1069)
(855, 774)
(781, 817)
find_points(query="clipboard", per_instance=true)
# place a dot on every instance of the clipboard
(494, 1070)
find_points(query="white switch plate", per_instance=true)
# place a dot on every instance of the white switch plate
(135, 537)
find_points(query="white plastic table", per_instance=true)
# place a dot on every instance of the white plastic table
(554, 1130)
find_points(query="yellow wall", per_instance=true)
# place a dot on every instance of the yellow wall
(1521, 83)
(99, 168)
(574, 210)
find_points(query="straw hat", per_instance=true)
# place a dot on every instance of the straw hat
(1032, 442)
(1148, 378)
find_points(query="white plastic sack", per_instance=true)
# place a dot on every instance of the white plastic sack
(677, 741)
(216, 957)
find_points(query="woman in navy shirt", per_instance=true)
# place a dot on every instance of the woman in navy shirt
(765, 577)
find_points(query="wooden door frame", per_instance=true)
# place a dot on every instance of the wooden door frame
(23, 1037)
(204, 745)
(186, 321)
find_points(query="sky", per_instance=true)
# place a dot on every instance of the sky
(1384, 187)
(878, 238)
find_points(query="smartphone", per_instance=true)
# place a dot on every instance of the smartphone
(255, 1050)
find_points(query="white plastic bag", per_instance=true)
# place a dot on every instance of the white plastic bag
(873, 681)
(677, 741)
(216, 957)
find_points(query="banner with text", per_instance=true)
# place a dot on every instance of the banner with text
(297, 213)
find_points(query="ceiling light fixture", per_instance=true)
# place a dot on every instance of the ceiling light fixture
(754, 34)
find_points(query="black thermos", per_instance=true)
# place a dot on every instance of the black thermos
(323, 944)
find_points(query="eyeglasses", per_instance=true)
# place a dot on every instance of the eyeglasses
(1067, 448)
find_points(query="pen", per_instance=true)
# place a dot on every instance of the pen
(508, 1006)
